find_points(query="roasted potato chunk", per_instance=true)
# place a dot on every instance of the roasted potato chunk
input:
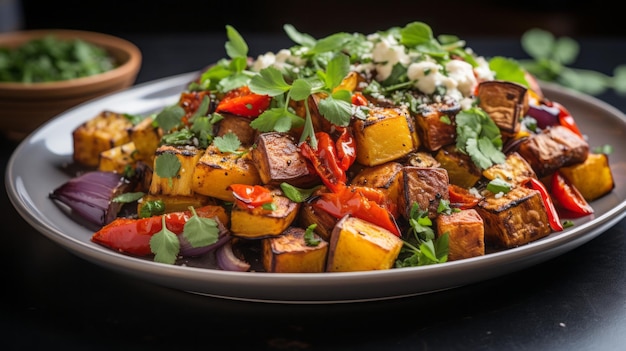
(435, 124)
(118, 158)
(505, 102)
(514, 170)
(424, 186)
(146, 138)
(106, 130)
(515, 218)
(421, 159)
(386, 177)
(277, 159)
(387, 134)
(216, 170)
(553, 148)
(593, 178)
(358, 245)
(260, 223)
(466, 234)
(181, 183)
(291, 253)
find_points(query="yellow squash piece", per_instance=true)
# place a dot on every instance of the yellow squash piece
(461, 170)
(593, 177)
(100, 133)
(358, 245)
(387, 134)
(216, 171)
(118, 158)
(386, 177)
(146, 138)
(514, 170)
(259, 223)
(289, 253)
(180, 184)
(175, 203)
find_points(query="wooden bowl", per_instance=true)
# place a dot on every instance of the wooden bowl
(26, 106)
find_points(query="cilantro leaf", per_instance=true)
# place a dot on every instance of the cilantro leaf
(276, 119)
(337, 69)
(200, 231)
(269, 81)
(167, 165)
(235, 46)
(228, 142)
(300, 38)
(169, 118)
(309, 236)
(165, 245)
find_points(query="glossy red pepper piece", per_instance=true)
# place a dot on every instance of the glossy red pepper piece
(346, 148)
(461, 198)
(565, 118)
(567, 196)
(132, 236)
(190, 102)
(359, 99)
(325, 161)
(242, 102)
(553, 216)
(361, 202)
(251, 196)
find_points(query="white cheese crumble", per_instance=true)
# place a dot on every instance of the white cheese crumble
(386, 53)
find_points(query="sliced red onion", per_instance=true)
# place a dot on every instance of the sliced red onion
(89, 195)
(187, 250)
(544, 115)
(228, 261)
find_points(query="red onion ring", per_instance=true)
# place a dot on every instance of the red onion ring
(228, 261)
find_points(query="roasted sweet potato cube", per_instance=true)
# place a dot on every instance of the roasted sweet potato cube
(424, 186)
(593, 177)
(461, 170)
(514, 170)
(386, 177)
(216, 170)
(505, 102)
(238, 125)
(387, 134)
(177, 203)
(104, 131)
(435, 124)
(466, 233)
(258, 223)
(290, 253)
(277, 159)
(515, 218)
(421, 159)
(181, 183)
(553, 148)
(358, 245)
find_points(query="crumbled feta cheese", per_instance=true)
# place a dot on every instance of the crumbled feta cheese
(463, 74)
(482, 71)
(386, 53)
(279, 60)
(263, 61)
(426, 75)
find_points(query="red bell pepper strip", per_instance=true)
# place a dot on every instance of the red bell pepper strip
(325, 161)
(132, 236)
(565, 118)
(553, 216)
(360, 202)
(567, 196)
(358, 99)
(461, 197)
(242, 102)
(250, 196)
(346, 148)
(190, 102)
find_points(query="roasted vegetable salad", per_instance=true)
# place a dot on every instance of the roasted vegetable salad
(351, 152)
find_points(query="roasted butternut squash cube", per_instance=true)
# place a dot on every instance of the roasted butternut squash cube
(466, 233)
(146, 138)
(358, 245)
(505, 102)
(290, 253)
(118, 158)
(324, 221)
(181, 183)
(386, 177)
(387, 134)
(424, 186)
(277, 159)
(104, 131)
(435, 124)
(176, 203)
(461, 170)
(258, 223)
(238, 125)
(593, 177)
(514, 170)
(515, 218)
(216, 171)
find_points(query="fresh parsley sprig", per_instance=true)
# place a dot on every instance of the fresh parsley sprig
(422, 248)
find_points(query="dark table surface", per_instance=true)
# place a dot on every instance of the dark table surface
(55, 300)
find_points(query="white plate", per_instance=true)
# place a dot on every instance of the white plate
(36, 168)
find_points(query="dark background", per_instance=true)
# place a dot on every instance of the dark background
(323, 17)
